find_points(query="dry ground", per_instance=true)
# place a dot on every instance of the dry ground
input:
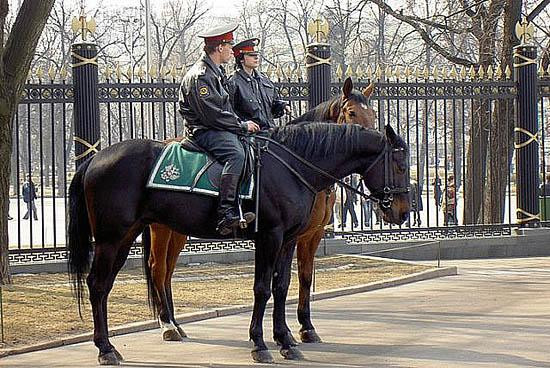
(39, 308)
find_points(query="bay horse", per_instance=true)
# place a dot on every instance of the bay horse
(163, 245)
(109, 201)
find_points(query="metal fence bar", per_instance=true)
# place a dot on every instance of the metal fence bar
(412, 105)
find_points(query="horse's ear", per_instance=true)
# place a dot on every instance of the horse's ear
(367, 92)
(348, 86)
(390, 134)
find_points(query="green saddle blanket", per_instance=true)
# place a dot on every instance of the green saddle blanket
(183, 170)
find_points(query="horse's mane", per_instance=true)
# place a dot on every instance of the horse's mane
(311, 139)
(320, 112)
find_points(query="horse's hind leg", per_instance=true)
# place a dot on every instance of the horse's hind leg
(306, 253)
(108, 260)
(177, 243)
(160, 242)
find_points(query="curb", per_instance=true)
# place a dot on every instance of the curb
(237, 309)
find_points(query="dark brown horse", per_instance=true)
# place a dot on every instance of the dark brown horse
(110, 202)
(351, 107)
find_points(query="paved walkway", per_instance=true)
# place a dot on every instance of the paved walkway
(496, 313)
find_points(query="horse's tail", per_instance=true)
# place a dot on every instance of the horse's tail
(80, 234)
(146, 244)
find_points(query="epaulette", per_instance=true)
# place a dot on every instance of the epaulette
(201, 69)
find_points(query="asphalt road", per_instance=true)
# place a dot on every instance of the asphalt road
(495, 313)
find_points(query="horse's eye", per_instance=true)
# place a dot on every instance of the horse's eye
(352, 113)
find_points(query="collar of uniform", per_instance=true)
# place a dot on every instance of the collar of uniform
(211, 64)
(247, 76)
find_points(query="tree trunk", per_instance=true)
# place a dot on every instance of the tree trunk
(485, 30)
(501, 133)
(15, 60)
(476, 161)
(5, 169)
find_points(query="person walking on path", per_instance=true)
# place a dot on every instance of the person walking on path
(29, 195)
(449, 205)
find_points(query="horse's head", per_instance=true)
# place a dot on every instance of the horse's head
(388, 178)
(353, 106)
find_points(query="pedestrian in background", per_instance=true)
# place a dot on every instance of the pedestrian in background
(29, 195)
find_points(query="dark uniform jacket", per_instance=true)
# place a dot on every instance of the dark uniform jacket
(255, 98)
(204, 100)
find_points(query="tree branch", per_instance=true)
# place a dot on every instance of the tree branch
(423, 34)
(23, 37)
(4, 9)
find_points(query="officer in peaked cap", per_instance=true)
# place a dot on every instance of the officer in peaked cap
(204, 103)
(254, 95)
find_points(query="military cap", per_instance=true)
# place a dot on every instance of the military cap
(220, 34)
(246, 47)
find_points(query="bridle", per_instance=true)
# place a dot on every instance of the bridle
(383, 197)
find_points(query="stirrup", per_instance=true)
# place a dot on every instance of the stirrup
(245, 219)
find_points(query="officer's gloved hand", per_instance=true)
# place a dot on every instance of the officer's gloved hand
(288, 110)
(252, 127)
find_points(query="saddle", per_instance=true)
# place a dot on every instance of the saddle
(187, 167)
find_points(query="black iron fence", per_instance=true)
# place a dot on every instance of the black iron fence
(434, 112)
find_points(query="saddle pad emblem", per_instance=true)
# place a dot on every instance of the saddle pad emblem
(170, 173)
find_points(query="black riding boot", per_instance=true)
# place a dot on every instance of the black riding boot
(228, 213)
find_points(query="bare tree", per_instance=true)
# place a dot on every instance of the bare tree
(174, 23)
(480, 23)
(15, 61)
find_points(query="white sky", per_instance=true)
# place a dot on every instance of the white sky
(226, 8)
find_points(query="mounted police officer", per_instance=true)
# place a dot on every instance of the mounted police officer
(205, 104)
(254, 95)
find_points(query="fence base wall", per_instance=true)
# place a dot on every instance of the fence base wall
(524, 243)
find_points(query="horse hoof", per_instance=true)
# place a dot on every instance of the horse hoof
(171, 335)
(292, 353)
(262, 356)
(109, 358)
(118, 355)
(291, 340)
(309, 336)
(181, 332)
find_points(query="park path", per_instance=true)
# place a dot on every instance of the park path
(495, 313)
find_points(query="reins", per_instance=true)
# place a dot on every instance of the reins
(316, 168)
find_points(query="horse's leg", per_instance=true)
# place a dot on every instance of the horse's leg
(108, 260)
(160, 241)
(281, 281)
(307, 246)
(177, 243)
(267, 246)
(100, 272)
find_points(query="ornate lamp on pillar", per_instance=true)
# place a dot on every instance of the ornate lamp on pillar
(527, 137)
(85, 80)
(318, 63)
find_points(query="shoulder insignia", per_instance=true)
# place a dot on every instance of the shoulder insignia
(204, 91)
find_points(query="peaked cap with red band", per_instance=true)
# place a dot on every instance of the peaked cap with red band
(246, 47)
(221, 34)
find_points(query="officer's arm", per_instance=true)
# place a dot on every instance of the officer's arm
(217, 110)
(231, 87)
(278, 106)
